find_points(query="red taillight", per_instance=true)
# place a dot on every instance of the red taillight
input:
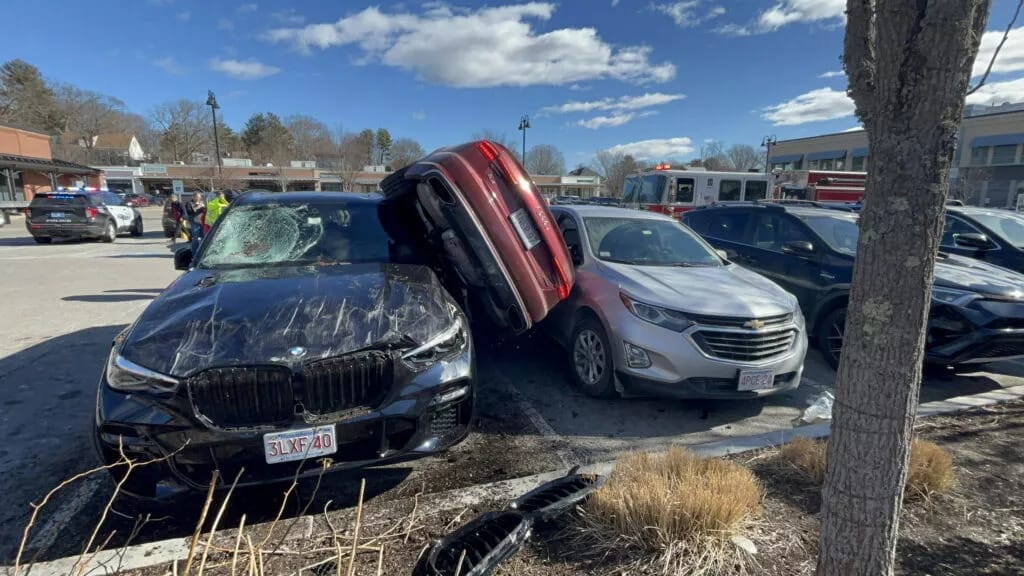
(488, 149)
(563, 280)
(92, 212)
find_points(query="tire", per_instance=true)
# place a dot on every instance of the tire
(42, 239)
(109, 232)
(591, 359)
(137, 227)
(830, 335)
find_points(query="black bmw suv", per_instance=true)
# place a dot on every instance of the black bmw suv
(301, 335)
(977, 310)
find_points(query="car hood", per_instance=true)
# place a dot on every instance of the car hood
(955, 271)
(717, 291)
(212, 318)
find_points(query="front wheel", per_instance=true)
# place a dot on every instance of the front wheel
(831, 330)
(110, 232)
(591, 358)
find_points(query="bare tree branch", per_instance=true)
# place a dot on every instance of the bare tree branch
(1006, 36)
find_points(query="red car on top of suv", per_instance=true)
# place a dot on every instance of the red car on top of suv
(479, 208)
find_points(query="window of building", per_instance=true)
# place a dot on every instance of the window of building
(755, 190)
(1004, 154)
(684, 190)
(813, 164)
(729, 190)
(859, 163)
(979, 155)
(652, 188)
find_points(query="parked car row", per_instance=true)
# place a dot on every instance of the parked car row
(330, 325)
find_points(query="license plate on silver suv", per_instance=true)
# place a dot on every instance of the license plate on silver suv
(756, 380)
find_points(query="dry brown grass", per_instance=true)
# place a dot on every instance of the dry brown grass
(930, 470)
(678, 505)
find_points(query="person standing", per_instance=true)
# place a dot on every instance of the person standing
(215, 207)
(178, 213)
(195, 211)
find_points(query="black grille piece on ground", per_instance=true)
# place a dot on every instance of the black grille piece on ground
(243, 397)
(353, 381)
(486, 541)
(745, 346)
(740, 322)
(558, 496)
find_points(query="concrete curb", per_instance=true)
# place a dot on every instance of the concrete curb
(155, 553)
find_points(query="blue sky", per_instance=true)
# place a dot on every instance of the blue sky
(654, 78)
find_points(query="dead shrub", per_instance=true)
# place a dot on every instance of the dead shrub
(930, 470)
(677, 504)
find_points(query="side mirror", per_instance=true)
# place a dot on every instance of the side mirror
(973, 240)
(183, 259)
(723, 254)
(798, 247)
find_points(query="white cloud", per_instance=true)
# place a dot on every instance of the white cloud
(657, 149)
(170, 65)
(614, 120)
(579, 87)
(617, 104)
(832, 74)
(419, 115)
(814, 106)
(183, 16)
(689, 13)
(854, 129)
(1011, 56)
(225, 24)
(615, 3)
(995, 93)
(243, 69)
(249, 7)
(485, 47)
(289, 16)
(786, 12)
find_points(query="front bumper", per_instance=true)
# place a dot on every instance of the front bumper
(983, 331)
(410, 422)
(681, 368)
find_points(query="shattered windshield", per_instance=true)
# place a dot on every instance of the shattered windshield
(300, 233)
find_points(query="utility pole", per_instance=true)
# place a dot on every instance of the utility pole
(767, 142)
(524, 125)
(211, 101)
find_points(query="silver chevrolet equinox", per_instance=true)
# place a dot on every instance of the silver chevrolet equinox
(657, 311)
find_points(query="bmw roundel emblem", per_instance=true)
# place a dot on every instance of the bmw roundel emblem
(297, 352)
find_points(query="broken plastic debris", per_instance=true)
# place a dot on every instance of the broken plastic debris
(745, 544)
(820, 408)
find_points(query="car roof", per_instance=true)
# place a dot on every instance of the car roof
(598, 211)
(307, 197)
(789, 209)
(968, 210)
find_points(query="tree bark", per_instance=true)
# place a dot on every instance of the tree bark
(909, 64)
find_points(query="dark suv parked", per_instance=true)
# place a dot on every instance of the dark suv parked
(995, 236)
(977, 309)
(81, 214)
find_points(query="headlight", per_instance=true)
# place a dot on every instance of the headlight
(661, 316)
(444, 345)
(126, 376)
(954, 296)
(798, 317)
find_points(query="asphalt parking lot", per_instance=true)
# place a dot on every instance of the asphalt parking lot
(61, 305)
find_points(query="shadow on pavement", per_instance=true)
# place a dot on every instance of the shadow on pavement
(96, 298)
(146, 256)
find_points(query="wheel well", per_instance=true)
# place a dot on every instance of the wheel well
(586, 312)
(828, 307)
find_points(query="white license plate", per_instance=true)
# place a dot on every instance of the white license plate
(299, 444)
(756, 380)
(57, 215)
(524, 227)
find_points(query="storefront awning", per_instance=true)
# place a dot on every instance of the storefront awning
(43, 165)
(786, 159)
(998, 140)
(826, 155)
(859, 152)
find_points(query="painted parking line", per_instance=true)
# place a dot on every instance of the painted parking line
(49, 530)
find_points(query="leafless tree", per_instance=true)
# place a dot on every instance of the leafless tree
(310, 137)
(909, 67)
(970, 184)
(713, 156)
(744, 157)
(405, 151)
(614, 167)
(184, 129)
(545, 159)
(999, 47)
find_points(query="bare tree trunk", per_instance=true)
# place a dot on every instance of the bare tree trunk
(909, 63)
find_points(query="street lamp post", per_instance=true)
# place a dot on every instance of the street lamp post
(767, 142)
(524, 125)
(211, 101)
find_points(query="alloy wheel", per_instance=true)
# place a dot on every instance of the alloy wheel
(589, 357)
(835, 336)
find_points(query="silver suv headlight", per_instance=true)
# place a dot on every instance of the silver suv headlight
(655, 315)
(798, 318)
(444, 345)
(124, 375)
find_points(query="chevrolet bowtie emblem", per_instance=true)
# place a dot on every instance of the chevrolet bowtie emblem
(755, 324)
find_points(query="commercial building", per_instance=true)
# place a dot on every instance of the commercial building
(988, 166)
(27, 167)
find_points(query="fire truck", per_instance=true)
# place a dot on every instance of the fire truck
(673, 191)
(819, 185)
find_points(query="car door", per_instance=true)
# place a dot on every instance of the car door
(122, 214)
(773, 235)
